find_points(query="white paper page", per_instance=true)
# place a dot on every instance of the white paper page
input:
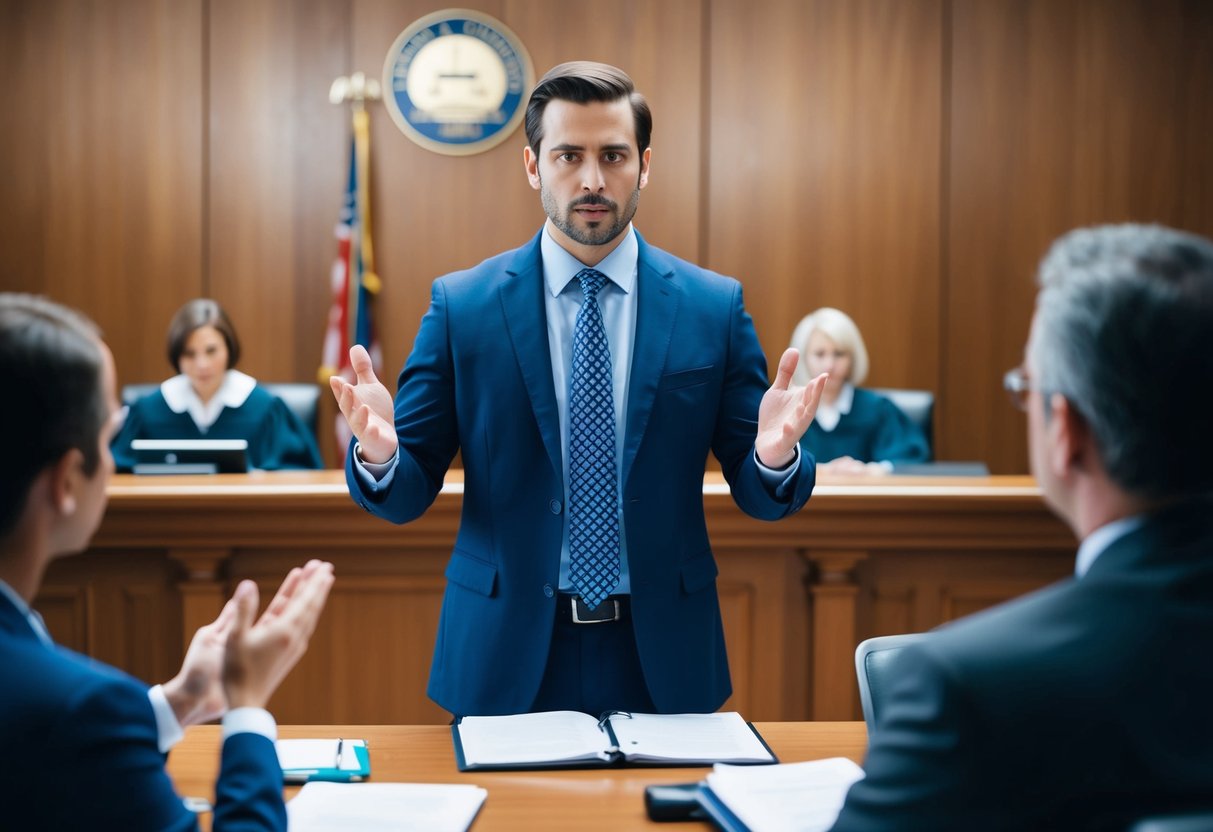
(532, 738)
(704, 738)
(308, 753)
(379, 807)
(792, 797)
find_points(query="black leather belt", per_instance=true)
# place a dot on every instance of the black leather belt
(572, 608)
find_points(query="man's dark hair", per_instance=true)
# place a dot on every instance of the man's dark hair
(194, 315)
(582, 82)
(50, 357)
(1125, 332)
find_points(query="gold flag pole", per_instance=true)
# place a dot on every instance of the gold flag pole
(357, 89)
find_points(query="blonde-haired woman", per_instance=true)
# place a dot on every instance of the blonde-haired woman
(855, 431)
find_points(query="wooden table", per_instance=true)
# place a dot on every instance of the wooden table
(584, 800)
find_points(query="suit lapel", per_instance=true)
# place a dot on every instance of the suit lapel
(656, 311)
(526, 320)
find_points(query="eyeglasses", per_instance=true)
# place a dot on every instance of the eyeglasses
(1018, 384)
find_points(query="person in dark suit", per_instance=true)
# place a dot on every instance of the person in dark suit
(855, 431)
(84, 743)
(584, 429)
(1084, 705)
(210, 399)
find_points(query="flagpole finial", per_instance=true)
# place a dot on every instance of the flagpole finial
(356, 89)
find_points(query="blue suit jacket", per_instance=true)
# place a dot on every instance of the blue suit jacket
(479, 380)
(1085, 705)
(81, 749)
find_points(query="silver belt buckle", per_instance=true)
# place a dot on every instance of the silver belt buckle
(598, 615)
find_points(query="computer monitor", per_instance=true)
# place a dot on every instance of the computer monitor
(190, 456)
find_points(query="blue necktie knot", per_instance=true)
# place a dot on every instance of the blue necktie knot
(591, 281)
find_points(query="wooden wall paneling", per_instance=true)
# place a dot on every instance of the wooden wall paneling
(369, 660)
(278, 156)
(118, 606)
(26, 30)
(1062, 115)
(64, 608)
(436, 214)
(104, 160)
(738, 608)
(1195, 107)
(823, 182)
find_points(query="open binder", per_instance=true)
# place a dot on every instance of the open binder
(569, 739)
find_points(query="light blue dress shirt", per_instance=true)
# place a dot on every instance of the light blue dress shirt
(1094, 544)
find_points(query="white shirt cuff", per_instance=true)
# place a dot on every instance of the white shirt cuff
(168, 729)
(250, 721)
(375, 476)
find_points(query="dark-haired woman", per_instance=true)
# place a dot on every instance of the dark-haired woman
(210, 399)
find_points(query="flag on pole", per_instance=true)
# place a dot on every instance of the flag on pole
(353, 282)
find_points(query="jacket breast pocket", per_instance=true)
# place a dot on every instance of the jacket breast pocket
(686, 378)
(470, 573)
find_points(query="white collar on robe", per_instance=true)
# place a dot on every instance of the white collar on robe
(828, 415)
(233, 392)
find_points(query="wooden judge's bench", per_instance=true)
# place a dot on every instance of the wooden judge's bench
(863, 558)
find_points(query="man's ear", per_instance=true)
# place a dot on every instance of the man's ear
(67, 478)
(531, 162)
(644, 166)
(1070, 437)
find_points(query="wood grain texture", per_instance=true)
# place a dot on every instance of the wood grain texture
(862, 559)
(102, 163)
(1063, 114)
(277, 162)
(518, 801)
(905, 160)
(823, 182)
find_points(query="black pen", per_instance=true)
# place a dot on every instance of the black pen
(340, 748)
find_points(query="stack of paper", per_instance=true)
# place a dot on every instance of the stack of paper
(379, 807)
(793, 797)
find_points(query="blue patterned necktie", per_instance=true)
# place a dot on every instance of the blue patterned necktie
(593, 498)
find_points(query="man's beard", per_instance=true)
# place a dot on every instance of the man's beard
(599, 236)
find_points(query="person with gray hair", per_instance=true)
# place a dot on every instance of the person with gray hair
(1084, 705)
(855, 431)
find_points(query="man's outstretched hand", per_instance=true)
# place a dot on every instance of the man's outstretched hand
(367, 407)
(786, 413)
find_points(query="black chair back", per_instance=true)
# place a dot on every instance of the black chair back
(874, 659)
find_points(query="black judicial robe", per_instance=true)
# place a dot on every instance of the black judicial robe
(276, 438)
(875, 430)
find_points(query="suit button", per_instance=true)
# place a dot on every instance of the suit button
(554, 506)
(548, 591)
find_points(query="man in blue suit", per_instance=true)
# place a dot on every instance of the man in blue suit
(1085, 705)
(582, 577)
(84, 744)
